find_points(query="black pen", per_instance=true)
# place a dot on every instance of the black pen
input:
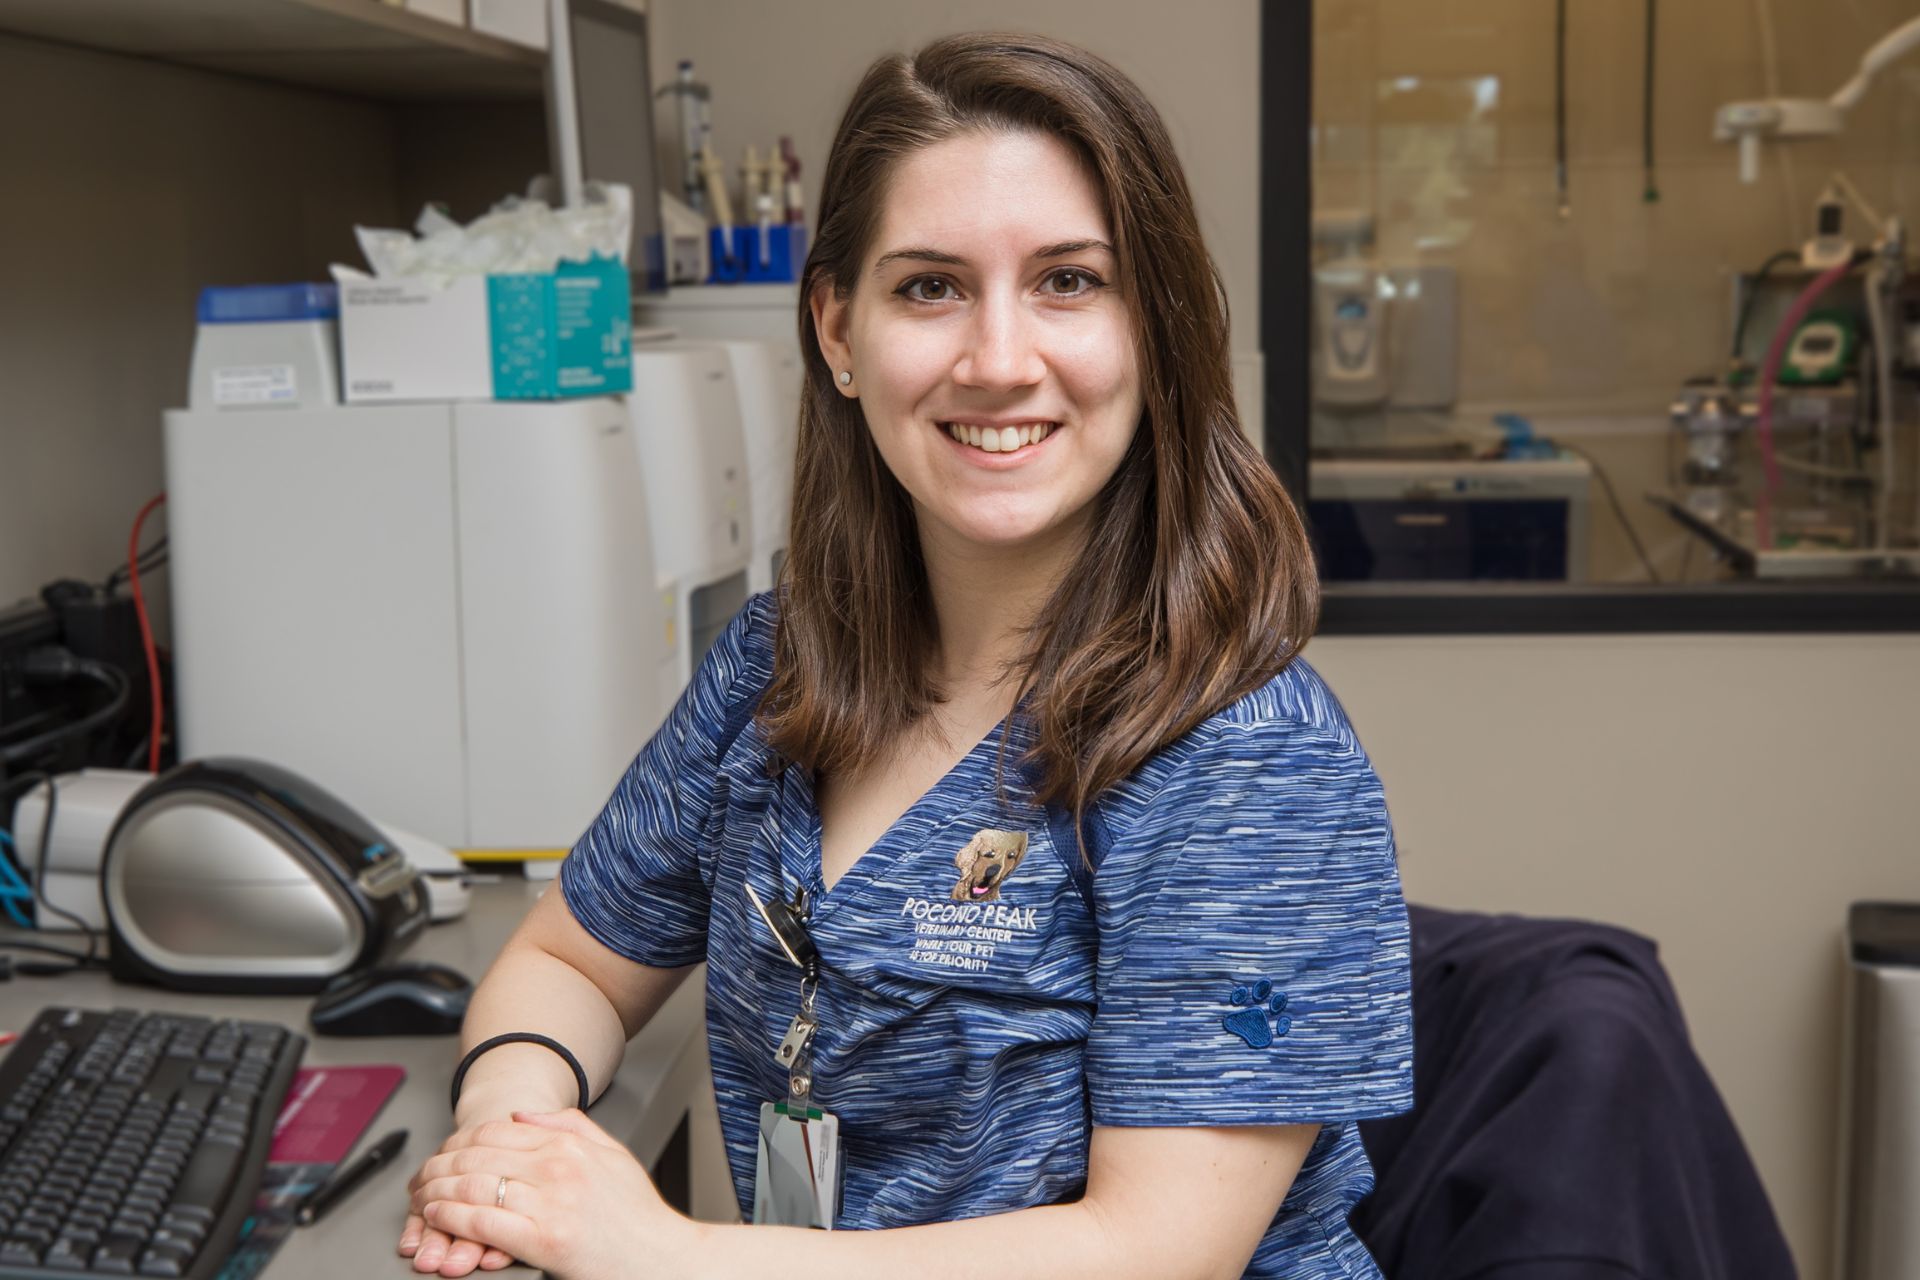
(335, 1191)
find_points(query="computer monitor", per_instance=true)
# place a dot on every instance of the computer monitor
(600, 118)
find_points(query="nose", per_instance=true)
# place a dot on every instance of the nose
(1002, 349)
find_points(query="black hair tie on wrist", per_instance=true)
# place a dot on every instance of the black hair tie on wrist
(522, 1037)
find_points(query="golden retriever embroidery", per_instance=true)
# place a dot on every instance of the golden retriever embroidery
(986, 862)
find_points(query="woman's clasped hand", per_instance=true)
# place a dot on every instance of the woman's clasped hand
(577, 1204)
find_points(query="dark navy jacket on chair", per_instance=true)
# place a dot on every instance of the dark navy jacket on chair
(1563, 1128)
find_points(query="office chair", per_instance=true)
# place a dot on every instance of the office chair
(1563, 1128)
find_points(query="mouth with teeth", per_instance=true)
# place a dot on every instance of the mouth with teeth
(1000, 439)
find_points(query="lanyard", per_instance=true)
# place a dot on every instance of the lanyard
(786, 920)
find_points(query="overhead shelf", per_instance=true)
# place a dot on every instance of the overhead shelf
(360, 47)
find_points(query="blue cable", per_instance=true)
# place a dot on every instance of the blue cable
(15, 888)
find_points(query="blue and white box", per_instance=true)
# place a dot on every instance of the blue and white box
(539, 336)
(261, 346)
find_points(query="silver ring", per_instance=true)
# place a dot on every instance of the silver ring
(500, 1196)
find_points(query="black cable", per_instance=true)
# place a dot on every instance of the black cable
(147, 564)
(112, 677)
(1753, 293)
(1652, 191)
(1560, 102)
(15, 944)
(91, 959)
(1606, 482)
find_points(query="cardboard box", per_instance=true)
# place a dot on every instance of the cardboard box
(521, 21)
(454, 11)
(504, 337)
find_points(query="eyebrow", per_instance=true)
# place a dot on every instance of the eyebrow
(1064, 249)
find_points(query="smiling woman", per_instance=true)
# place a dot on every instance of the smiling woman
(1007, 243)
(1049, 904)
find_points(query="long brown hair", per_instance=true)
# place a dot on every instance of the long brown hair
(1196, 583)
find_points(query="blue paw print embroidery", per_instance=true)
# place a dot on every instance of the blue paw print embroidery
(1261, 1015)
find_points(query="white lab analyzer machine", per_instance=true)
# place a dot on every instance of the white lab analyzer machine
(768, 377)
(444, 613)
(757, 325)
(685, 415)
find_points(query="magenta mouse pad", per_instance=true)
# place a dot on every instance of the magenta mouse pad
(325, 1112)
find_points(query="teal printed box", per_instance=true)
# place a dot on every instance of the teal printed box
(508, 337)
(565, 334)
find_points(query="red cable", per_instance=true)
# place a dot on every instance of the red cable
(146, 631)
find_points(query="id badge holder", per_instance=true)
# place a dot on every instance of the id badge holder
(797, 1171)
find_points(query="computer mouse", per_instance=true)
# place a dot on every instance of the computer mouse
(397, 1000)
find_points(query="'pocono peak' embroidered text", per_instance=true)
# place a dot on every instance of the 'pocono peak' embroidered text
(963, 935)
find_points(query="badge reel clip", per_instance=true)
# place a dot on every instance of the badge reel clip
(797, 1168)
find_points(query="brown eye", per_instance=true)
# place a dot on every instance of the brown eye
(1078, 282)
(913, 287)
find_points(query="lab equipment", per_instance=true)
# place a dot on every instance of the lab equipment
(768, 378)
(754, 323)
(1877, 1234)
(751, 179)
(691, 449)
(233, 875)
(1385, 335)
(446, 611)
(1382, 519)
(693, 117)
(132, 1142)
(393, 1000)
(1821, 350)
(1709, 419)
(88, 803)
(796, 198)
(1748, 122)
(719, 206)
(1792, 456)
(685, 232)
(266, 345)
(1350, 318)
(600, 118)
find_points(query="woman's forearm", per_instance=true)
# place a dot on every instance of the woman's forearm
(1043, 1243)
(527, 989)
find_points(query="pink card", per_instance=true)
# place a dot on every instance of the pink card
(327, 1110)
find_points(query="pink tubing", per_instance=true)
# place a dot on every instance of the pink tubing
(1769, 373)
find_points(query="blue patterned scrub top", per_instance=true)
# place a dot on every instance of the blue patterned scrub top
(1239, 957)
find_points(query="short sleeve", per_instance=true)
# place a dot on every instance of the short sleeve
(1253, 942)
(633, 880)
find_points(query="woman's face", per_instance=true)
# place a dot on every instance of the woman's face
(990, 347)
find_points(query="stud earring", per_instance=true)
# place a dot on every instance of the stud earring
(846, 378)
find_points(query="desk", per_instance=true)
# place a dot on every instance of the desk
(663, 1081)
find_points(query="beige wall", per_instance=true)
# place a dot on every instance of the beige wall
(128, 184)
(778, 67)
(1727, 796)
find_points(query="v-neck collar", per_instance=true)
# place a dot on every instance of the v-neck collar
(800, 810)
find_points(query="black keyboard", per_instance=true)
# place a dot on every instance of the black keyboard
(132, 1143)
